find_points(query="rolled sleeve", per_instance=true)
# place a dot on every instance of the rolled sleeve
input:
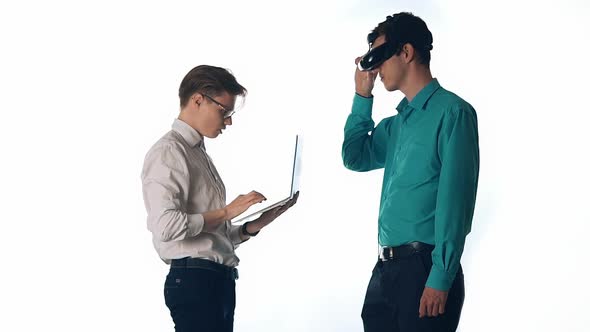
(195, 224)
(234, 235)
(165, 182)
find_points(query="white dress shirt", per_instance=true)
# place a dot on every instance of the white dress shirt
(180, 183)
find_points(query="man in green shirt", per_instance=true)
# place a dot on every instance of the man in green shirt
(430, 154)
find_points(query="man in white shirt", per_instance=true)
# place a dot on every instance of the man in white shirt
(186, 205)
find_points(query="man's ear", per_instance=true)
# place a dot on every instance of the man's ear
(408, 53)
(197, 98)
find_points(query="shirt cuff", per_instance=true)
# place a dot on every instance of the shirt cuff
(195, 223)
(440, 280)
(362, 105)
(234, 235)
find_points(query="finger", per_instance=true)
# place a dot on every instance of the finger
(422, 309)
(282, 209)
(432, 308)
(427, 309)
(441, 308)
(256, 197)
(288, 205)
(255, 193)
(273, 212)
(357, 60)
(435, 308)
(294, 199)
(275, 215)
(261, 196)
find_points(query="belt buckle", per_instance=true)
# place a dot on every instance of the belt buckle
(388, 250)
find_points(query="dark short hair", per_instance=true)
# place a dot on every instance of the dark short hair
(403, 28)
(209, 80)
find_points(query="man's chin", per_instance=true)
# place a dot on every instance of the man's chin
(390, 88)
(212, 135)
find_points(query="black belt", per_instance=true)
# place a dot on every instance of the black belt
(405, 250)
(205, 264)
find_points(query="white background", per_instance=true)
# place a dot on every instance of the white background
(87, 87)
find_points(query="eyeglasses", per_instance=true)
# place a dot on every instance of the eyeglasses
(226, 113)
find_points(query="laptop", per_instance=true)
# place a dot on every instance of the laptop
(295, 175)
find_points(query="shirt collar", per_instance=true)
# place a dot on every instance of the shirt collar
(188, 133)
(421, 98)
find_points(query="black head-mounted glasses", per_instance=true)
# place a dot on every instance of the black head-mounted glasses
(376, 56)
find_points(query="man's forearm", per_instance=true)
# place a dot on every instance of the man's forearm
(214, 218)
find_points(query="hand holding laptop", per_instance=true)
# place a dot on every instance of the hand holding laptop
(270, 215)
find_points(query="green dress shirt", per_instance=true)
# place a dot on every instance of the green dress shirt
(430, 152)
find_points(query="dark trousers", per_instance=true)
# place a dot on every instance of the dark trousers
(393, 297)
(200, 299)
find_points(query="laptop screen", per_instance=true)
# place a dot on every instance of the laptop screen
(295, 177)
